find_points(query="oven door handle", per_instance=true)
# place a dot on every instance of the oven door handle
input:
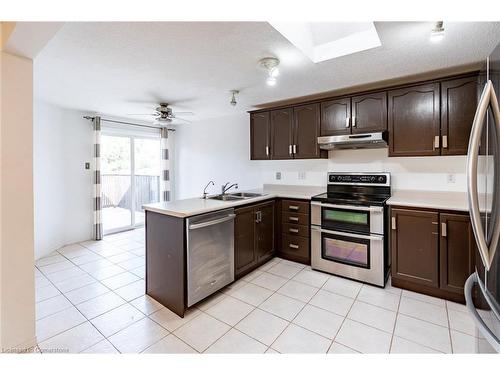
(346, 234)
(347, 207)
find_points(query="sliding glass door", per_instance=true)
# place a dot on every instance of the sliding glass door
(130, 177)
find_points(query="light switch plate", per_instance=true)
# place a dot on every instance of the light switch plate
(87, 165)
(278, 175)
(302, 175)
(450, 178)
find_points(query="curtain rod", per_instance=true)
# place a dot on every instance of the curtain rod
(127, 123)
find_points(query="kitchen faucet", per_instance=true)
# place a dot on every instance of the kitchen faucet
(226, 188)
(205, 190)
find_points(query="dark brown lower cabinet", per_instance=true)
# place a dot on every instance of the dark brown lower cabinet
(457, 248)
(432, 251)
(253, 237)
(294, 239)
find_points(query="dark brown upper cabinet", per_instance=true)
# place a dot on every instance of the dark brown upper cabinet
(282, 133)
(415, 246)
(369, 113)
(336, 117)
(260, 136)
(413, 116)
(457, 251)
(458, 107)
(306, 131)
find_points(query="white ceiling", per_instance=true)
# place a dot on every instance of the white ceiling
(123, 67)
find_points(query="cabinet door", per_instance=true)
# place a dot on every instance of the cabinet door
(281, 133)
(456, 251)
(245, 255)
(369, 113)
(260, 136)
(458, 107)
(414, 246)
(336, 117)
(265, 230)
(414, 121)
(306, 131)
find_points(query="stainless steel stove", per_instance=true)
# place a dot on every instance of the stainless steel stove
(349, 224)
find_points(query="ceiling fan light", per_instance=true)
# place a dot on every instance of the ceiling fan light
(274, 72)
(271, 81)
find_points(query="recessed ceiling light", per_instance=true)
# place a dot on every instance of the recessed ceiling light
(437, 33)
(271, 65)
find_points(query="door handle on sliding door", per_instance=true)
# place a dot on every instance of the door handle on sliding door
(488, 98)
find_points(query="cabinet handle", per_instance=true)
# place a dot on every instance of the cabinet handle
(347, 122)
(258, 216)
(444, 228)
(290, 150)
(293, 208)
(353, 121)
(294, 149)
(293, 246)
(293, 230)
(393, 223)
(445, 141)
(267, 150)
(293, 218)
(436, 141)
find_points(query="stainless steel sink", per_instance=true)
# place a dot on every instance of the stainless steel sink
(235, 196)
(246, 195)
(226, 197)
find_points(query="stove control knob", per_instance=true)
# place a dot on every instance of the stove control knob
(381, 179)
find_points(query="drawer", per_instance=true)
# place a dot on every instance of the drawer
(295, 206)
(295, 245)
(293, 218)
(296, 230)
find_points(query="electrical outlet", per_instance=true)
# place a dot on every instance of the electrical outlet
(278, 175)
(450, 178)
(302, 175)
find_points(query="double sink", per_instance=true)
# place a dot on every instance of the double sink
(235, 196)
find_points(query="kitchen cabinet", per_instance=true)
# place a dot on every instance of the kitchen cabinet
(360, 114)
(414, 121)
(282, 133)
(253, 237)
(306, 130)
(260, 136)
(295, 231)
(458, 107)
(432, 251)
(457, 251)
(336, 117)
(415, 246)
(369, 113)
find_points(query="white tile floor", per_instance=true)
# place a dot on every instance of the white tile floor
(90, 298)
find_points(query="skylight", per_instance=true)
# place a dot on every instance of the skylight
(321, 41)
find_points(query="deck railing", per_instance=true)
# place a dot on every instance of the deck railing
(117, 192)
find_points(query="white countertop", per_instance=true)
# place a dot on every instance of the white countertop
(196, 206)
(442, 200)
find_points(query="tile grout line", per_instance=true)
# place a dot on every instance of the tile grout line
(395, 322)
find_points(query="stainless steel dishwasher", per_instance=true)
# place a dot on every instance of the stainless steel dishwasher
(210, 253)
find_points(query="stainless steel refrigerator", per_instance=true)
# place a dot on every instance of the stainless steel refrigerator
(482, 289)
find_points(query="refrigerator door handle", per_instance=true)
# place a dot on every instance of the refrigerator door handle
(483, 328)
(487, 97)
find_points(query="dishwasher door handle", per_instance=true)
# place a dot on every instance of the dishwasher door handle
(212, 222)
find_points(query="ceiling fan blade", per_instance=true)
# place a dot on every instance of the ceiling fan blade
(141, 114)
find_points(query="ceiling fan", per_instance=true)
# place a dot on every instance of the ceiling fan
(165, 115)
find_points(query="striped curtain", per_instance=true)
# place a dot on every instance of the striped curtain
(165, 166)
(97, 230)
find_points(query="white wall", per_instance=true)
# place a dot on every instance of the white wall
(63, 188)
(219, 149)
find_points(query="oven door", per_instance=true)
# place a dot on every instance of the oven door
(356, 256)
(361, 219)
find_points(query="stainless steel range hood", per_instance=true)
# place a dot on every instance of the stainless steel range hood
(353, 141)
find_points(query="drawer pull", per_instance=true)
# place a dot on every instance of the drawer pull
(293, 246)
(293, 218)
(293, 208)
(293, 230)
